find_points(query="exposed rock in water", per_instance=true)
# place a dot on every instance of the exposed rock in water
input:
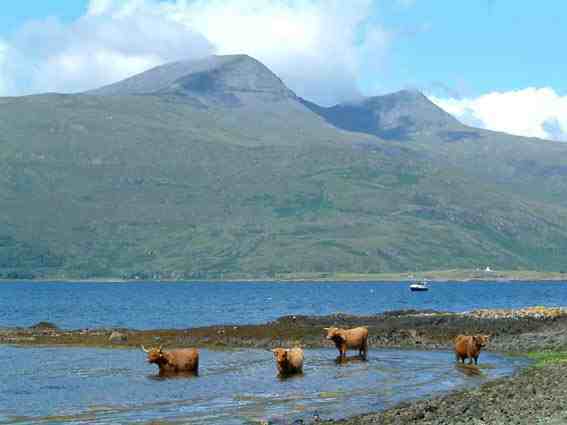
(118, 338)
(513, 331)
(44, 326)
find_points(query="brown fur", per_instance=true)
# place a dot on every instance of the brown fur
(182, 360)
(355, 338)
(289, 361)
(469, 346)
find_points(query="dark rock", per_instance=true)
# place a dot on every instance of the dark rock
(44, 326)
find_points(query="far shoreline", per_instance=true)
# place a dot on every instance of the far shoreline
(435, 276)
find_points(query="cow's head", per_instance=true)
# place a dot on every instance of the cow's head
(481, 340)
(280, 354)
(155, 355)
(335, 333)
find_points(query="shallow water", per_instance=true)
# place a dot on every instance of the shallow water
(104, 386)
(182, 305)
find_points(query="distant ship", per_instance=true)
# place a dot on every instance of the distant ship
(420, 285)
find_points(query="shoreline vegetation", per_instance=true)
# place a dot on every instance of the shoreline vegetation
(457, 275)
(536, 394)
(522, 330)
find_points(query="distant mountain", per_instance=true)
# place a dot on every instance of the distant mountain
(235, 91)
(215, 168)
(228, 80)
(401, 115)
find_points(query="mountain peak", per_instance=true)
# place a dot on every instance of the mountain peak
(240, 80)
(407, 94)
(226, 78)
(399, 115)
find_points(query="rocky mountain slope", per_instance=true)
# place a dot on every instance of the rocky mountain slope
(215, 168)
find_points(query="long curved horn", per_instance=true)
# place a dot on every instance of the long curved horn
(160, 348)
(144, 350)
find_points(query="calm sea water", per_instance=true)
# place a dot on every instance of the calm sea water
(104, 386)
(181, 305)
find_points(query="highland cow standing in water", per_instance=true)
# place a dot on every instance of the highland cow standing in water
(289, 361)
(171, 362)
(356, 338)
(469, 346)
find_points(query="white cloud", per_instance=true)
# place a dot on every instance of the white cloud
(98, 7)
(531, 112)
(318, 47)
(113, 40)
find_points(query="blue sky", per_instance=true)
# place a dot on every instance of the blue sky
(468, 56)
(16, 13)
(471, 47)
(478, 46)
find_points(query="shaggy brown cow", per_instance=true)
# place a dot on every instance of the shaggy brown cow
(469, 346)
(171, 362)
(289, 361)
(355, 338)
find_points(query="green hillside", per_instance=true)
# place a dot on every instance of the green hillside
(214, 168)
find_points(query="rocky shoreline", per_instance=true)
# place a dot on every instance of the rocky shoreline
(523, 330)
(537, 395)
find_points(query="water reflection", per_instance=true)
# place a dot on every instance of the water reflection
(349, 359)
(468, 370)
(80, 386)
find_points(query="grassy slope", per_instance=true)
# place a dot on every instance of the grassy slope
(123, 186)
(543, 358)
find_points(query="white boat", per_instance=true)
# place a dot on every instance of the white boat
(420, 285)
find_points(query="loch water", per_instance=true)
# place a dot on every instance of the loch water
(107, 386)
(116, 386)
(155, 305)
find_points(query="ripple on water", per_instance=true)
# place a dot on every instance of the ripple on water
(108, 386)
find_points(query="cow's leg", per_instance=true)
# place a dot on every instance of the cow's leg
(364, 350)
(339, 346)
(343, 352)
(476, 360)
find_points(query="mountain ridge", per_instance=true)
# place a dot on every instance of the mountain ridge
(225, 79)
(390, 116)
(169, 177)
